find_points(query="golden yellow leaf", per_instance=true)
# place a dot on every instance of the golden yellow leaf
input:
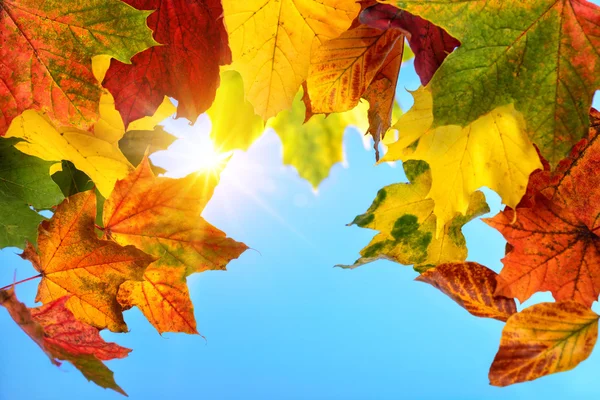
(96, 153)
(315, 146)
(271, 42)
(234, 123)
(493, 151)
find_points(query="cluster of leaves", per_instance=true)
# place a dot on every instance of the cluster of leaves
(84, 86)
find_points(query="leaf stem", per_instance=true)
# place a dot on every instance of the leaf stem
(22, 281)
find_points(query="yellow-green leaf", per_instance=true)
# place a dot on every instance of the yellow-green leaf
(315, 146)
(403, 215)
(234, 123)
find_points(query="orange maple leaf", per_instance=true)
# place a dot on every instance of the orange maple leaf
(73, 261)
(161, 216)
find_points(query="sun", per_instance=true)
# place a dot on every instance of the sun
(207, 158)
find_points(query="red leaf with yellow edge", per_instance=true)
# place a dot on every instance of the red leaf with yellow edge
(161, 216)
(46, 48)
(73, 261)
(185, 67)
(62, 337)
(472, 286)
(552, 250)
(430, 44)
(544, 339)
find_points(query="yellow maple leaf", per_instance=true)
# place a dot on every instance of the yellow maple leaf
(95, 153)
(271, 42)
(315, 146)
(234, 123)
(493, 151)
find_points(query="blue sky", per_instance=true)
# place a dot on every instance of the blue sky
(282, 323)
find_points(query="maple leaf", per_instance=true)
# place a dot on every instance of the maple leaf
(185, 67)
(429, 43)
(552, 250)
(472, 286)
(493, 151)
(540, 55)
(342, 69)
(54, 328)
(70, 180)
(403, 215)
(73, 261)
(313, 147)
(25, 183)
(96, 153)
(230, 133)
(46, 49)
(544, 339)
(161, 216)
(271, 42)
(554, 240)
(136, 144)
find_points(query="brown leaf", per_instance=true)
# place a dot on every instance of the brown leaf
(472, 286)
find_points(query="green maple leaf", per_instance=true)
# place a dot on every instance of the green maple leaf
(539, 54)
(24, 182)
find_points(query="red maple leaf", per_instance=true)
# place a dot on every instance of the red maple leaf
(186, 66)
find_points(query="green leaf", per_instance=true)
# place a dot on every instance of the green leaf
(24, 182)
(71, 180)
(540, 55)
(134, 145)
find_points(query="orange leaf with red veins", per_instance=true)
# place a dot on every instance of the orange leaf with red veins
(472, 286)
(555, 242)
(552, 250)
(62, 337)
(161, 216)
(185, 67)
(46, 48)
(430, 44)
(73, 261)
(544, 339)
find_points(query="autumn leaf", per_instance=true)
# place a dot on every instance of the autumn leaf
(493, 151)
(70, 180)
(73, 261)
(161, 216)
(429, 43)
(94, 153)
(271, 42)
(315, 146)
(472, 286)
(234, 123)
(54, 328)
(403, 215)
(552, 250)
(46, 49)
(342, 69)
(136, 144)
(540, 55)
(185, 67)
(24, 183)
(544, 339)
